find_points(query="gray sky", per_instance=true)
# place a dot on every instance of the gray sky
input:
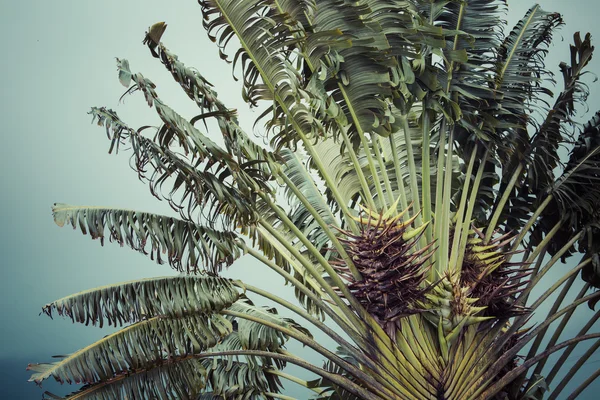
(58, 61)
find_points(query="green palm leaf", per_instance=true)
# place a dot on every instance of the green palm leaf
(232, 379)
(137, 300)
(181, 380)
(256, 336)
(215, 193)
(200, 90)
(114, 355)
(188, 246)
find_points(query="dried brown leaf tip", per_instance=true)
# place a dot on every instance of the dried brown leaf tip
(152, 38)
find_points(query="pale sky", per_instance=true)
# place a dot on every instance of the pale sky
(58, 61)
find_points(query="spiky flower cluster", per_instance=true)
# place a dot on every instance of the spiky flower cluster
(393, 272)
(492, 280)
(485, 287)
(450, 308)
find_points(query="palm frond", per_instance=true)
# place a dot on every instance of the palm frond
(215, 193)
(339, 169)
(233, 379)
(520, 65)
(198, 89)
(469, 81)
(256, 336)
(247, 375)
(188, 247)
(179, 127)
(165, 380)
(242, 374)
(300, 215)
(519, 78)
(135, 347)
(204, 149)
(137, 300)
(576, 195)
(263, 33)
(553, 131)
(361, 71)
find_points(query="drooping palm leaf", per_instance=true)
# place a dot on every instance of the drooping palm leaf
(554, 130)
(575, 194)
(157, 338)
(137, 300)
(212, 193)
(200, 90)
(189, 247)
(256, 336)
(233, 379)
(181, 380)
(519, 76)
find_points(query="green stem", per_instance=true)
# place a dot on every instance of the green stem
(585, 384)
(426, 176)
(491, 367)
(539, 338)
(439, 192)
(335, 378)
(535, 279)
(466, 228)
(420, 344)
(307, 264)
(556, 285)
(412, 169)
(373, 379)
(414, 185)
(506, 379)
(474, 354)
(565, 355)
(450, 69)
(365, 145)
(329, 182)
(301, 312)
(459, 222)
(313, 251)
(547, 268)
(490, 372)
(569, 375)
(444, 237)
(294, 379)
(339, 319)
(286, 256)
(366, 192)
(563, 323)
(364, 321)
(362, 318)
(350, 328)
(386, 179)
(499, 208)
(399, 178)
(530, 222)
(536, 268)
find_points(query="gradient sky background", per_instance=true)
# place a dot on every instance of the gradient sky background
(57, 62)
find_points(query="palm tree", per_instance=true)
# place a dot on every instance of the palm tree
(412, 192)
